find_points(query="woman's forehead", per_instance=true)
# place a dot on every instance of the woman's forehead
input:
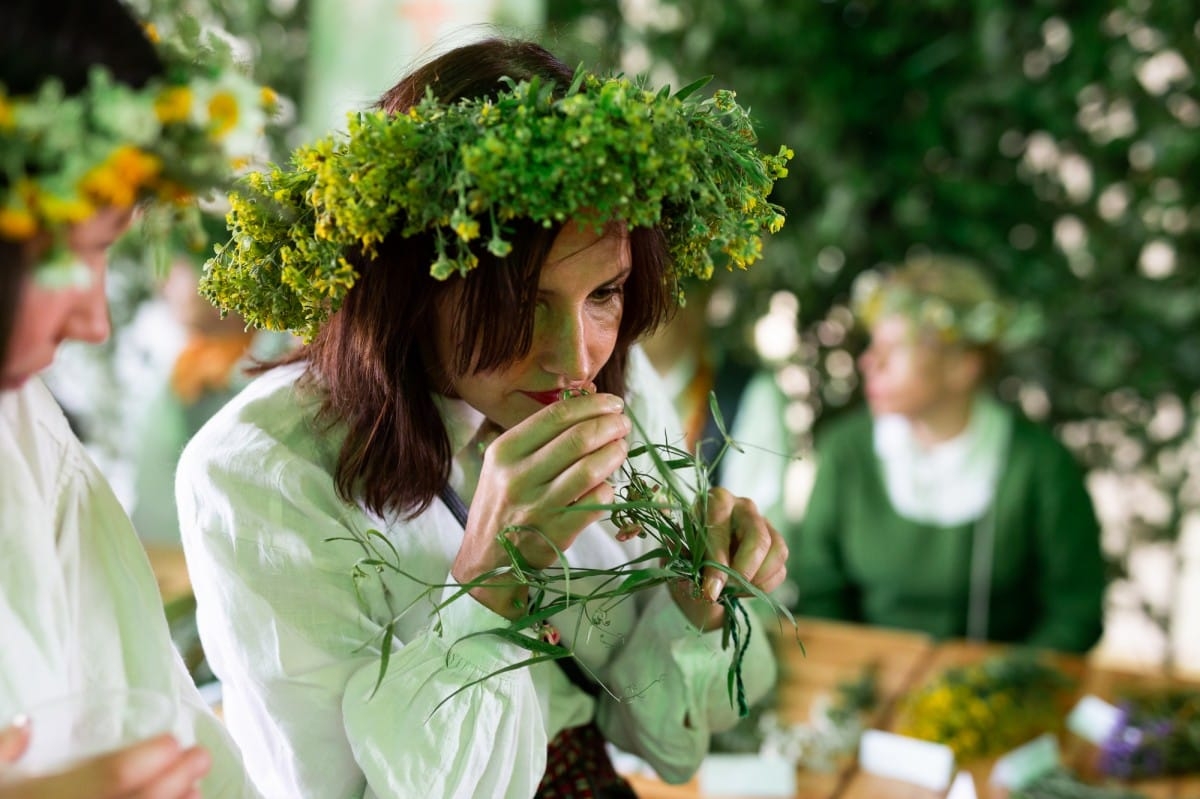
(578, 238)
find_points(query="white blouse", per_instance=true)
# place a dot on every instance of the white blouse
(80, 612)
(952, 482)
(296, 642)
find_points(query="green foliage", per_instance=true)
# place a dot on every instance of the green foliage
(1055, 142)
(606, 149)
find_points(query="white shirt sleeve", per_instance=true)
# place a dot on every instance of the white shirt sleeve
(80, 613)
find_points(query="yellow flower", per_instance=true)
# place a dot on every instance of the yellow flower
(17, 224)
(69, 210)
(222, 113)
(152, 32)
(268, 97)
(173, 105)
(120, 178)
(467, 229)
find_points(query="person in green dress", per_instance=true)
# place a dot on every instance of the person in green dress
(936, 507)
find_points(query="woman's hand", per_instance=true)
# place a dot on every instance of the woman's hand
(157, 768)
(561, 455)
(738, 537)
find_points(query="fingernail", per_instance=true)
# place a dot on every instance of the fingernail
(19, 721)
(712, 588)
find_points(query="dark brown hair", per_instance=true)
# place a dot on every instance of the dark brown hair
(371, 361)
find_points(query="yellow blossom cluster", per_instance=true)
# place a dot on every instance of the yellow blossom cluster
(986, 709)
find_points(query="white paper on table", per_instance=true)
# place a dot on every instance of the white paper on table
(963, 787)
(899, 757)
(1093, 719)
(747, 775)
(1026, 763)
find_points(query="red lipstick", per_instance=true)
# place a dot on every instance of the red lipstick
(544, 397)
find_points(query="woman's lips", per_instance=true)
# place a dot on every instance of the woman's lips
(544, 397)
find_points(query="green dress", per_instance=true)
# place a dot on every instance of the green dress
(857, 559)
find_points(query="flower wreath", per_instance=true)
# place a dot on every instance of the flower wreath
(64, 157)
(607, 149)
(947, 297)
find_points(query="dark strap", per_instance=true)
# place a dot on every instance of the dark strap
(458, 509)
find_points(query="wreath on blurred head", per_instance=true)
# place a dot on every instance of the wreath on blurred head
(949, 297)
(606, 149)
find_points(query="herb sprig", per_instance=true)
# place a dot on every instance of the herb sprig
(667, 503)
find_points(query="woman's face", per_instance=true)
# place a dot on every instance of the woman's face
(580, 301)
(905, 373)
(46, 317)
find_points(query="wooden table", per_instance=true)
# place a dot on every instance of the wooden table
(832, 653)
(837, 652)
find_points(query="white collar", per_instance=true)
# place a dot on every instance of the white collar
(952, 482)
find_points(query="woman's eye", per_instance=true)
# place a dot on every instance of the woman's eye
(607, 293)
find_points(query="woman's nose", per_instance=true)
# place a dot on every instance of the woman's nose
(89, 319)
(565, 348)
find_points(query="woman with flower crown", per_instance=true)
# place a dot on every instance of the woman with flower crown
(937, 508)
(472, 264)
(81, 618)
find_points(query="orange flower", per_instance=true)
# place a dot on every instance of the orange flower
(206, 364)
(17, 224)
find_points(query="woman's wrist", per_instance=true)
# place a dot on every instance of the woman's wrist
(501, 597)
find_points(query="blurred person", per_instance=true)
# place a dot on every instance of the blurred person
(936, 507)
(83, 139)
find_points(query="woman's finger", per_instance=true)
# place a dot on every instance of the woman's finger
(720, 534)
(14, 740)
(539, 429)
(178, 780)
(753, 538)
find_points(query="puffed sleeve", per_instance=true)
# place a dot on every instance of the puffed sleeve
(296, 642)
(671, 686)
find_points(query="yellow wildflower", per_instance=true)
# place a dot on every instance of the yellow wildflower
(152, 32)
(173, 105)
(268, 96)
(68, 210)
(121, 177)
(467, 229)
(17, 224)
(222, 113)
